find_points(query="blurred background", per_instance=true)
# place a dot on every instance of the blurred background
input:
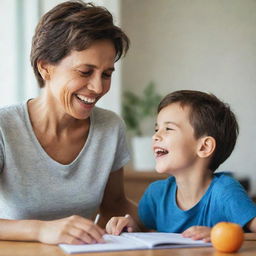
(207, 45)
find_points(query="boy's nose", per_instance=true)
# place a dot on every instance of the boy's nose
(156, 137)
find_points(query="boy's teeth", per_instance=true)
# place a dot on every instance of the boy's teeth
(86, 99)
(161, 152)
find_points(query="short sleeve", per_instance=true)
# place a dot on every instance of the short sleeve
(1, 153)
(238, 206)
(147, 209)
(122, 155)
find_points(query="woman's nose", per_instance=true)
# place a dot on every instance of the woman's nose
(96, 85)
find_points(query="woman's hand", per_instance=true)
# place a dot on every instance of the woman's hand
(198, 233)
(70, 230)
(116, 225)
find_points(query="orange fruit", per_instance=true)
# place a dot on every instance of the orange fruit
(227, 237)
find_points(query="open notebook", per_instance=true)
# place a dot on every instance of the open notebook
(136, 241)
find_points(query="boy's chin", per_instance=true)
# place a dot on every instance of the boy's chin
(161, 170)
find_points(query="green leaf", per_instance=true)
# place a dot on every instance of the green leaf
(136, 108)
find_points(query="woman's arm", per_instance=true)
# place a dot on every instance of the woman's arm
(19, 230)
(70, 230)
(115, 203)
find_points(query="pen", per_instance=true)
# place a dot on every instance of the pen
(97, 219)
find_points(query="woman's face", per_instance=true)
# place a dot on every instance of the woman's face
(76, 83)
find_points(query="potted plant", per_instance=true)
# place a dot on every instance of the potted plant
(139, 112)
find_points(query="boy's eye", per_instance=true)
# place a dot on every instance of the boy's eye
(156, 130)
(169, 129)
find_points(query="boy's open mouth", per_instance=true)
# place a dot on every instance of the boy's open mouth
(160, 152)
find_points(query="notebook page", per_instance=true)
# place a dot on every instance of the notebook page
(164, 240)
(112, 243)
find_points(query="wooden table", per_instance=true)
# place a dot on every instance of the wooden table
(36, 249)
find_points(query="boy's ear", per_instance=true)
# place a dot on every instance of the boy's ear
(44, 69)
(206, 147)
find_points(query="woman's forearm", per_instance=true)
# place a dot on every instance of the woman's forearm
(19, 230)
(69, 230)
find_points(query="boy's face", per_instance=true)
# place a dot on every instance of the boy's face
(174, 144)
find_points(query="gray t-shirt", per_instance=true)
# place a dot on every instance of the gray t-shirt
(34, 186)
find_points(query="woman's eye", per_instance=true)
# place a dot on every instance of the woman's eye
(156, 130)
(169, 129)
(85, 73)
(107, 75)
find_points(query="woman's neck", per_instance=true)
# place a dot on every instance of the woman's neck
(48, 118)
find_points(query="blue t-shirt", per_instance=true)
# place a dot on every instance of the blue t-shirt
(224, 200)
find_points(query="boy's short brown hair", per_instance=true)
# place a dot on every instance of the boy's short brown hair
(209, 117)
(73, 25)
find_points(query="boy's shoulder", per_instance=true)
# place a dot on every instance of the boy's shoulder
(224, 178)
(224, 183)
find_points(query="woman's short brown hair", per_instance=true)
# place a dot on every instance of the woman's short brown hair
(209, 117)
(73, 25)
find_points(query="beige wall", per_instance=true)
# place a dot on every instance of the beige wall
(207, 45)
(7, 52)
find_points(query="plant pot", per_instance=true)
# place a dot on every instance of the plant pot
(142, 154)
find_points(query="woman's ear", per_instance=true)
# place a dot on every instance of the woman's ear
(44, 69)
(206, 147)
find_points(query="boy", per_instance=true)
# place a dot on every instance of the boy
(195, 133)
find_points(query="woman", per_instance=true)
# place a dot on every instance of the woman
(61, 158)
